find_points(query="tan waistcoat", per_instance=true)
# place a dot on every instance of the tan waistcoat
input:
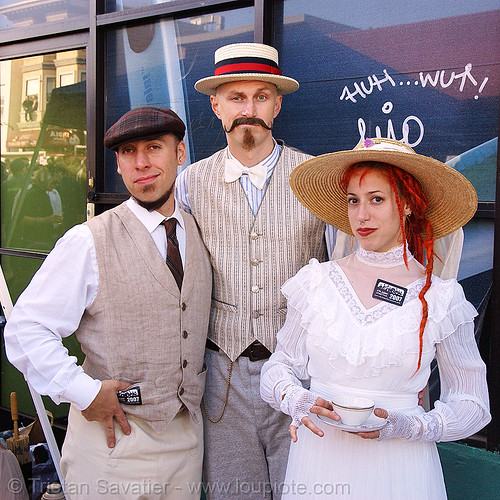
(140, 329)
(252, 255)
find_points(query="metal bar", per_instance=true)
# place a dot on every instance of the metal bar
(12, 35)
(29, 47)
(23, 253)
(493, 362)
(94, 101)
(258, 21)
(7, 306)
(268, 22)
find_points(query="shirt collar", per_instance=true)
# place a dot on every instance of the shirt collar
(269, 161)
(152, 220)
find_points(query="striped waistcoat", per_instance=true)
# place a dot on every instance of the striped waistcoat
(140, 328)
(252, 255)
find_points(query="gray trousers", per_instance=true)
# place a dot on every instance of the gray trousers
(246, 452)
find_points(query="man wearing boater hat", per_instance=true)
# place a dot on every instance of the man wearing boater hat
(134, 284)
(258, 236)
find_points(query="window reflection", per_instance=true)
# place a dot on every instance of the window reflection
(409, 74)
(43, 149)
(158, 63)
(427, 75)
(477, 253)
(22, 14)
(117, 5)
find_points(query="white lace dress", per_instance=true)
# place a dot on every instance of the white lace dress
(333, 342)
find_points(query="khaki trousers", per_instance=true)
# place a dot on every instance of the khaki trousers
(144, 465)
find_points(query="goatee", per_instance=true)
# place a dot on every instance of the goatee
(158, 203)
(248, 140)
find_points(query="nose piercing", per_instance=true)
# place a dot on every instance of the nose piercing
(362, 222)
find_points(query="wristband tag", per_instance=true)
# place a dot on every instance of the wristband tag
(389, 292)
(130, 396)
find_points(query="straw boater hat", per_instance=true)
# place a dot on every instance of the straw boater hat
(316, 184)
(246, 61)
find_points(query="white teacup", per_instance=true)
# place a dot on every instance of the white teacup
(353, 410)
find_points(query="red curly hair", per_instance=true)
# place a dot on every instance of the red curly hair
(416, 228)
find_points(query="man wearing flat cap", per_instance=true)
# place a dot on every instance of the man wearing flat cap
(134, 284)
(258, 236)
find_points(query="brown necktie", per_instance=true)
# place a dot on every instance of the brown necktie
(174, 261)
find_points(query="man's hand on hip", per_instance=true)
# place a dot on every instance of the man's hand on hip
(106, 407)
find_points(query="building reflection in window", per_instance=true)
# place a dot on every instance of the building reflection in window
(158, 63)
(43, 154)
(23, 14)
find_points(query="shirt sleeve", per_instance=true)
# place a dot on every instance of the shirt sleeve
(463, 406)
(49, 310)
(287, 366)
(181, 194)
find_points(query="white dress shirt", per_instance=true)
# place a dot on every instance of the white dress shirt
(254, 194)
(52, 306)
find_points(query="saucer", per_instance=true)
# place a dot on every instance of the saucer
(373, 423)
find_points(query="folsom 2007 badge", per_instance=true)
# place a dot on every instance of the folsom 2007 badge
(130, 396)
(389, 292)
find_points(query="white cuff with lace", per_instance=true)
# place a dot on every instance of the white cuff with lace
(425, 427)
(297, 403)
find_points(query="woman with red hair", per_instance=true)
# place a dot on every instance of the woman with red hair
(370, 324)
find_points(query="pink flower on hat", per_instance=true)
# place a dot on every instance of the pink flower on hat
(368, 143)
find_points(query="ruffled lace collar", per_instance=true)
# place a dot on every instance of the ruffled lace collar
(361, 342)
(391, 258)
(363, 315)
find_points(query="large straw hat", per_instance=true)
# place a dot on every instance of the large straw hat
(246, 61)
(316, 184)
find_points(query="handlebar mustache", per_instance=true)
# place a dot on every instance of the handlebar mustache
(243, 120)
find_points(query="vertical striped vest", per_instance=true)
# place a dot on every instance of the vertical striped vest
(252, 255)
(140, 328)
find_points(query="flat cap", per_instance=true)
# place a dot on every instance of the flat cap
(143, 123)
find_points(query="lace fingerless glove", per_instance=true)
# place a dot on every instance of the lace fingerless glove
(297, 403)
(425, 427)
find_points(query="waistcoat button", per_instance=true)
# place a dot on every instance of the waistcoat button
(184, 334)
(255, 262)
(184, 363)
(254, 236)
(255, 289)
